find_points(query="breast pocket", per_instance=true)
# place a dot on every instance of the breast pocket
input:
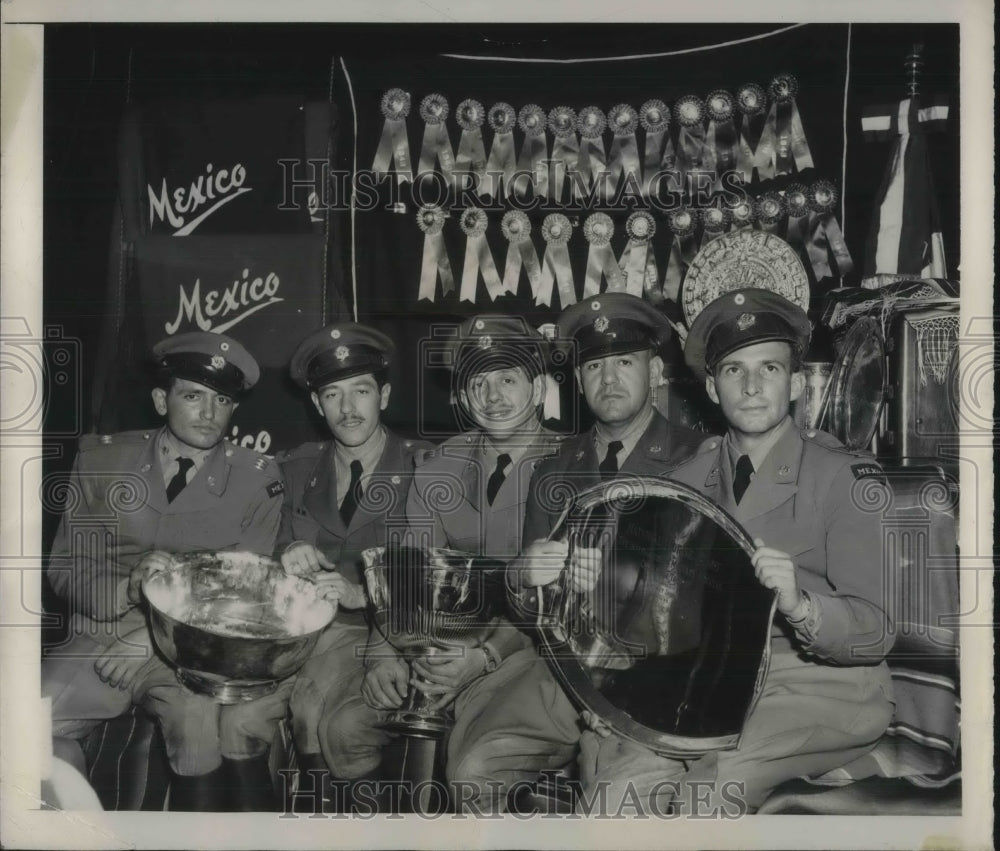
(200, 531)
(791, 536)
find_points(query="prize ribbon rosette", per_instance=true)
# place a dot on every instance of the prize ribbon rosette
(824, 232)
(565, 150)
(624, 154)
(592, 162)
(689, 112)
(722, 146)
(715, 222)
(521, 251)
(534, 153)
(637, 260)
(471, 156)
(430, 220)
(752, 102)
(502, 162)
(394, 144)
(658, 156)
(682, 222)
(797, 204)
(556, 231)
(436, 146)
(478, 258)
(770, 212)
(598, 230)
(742, 212)
(783, 148)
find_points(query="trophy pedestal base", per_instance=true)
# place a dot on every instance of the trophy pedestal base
(416, 725)
(226, 692)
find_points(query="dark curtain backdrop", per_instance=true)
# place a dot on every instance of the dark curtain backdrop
(95, 74)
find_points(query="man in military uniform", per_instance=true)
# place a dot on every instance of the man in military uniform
(498, 376)
(618, 338)
(344, 495)
(177, 489)
(800, 494)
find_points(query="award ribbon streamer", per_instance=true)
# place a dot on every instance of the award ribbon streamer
(565, 149)
(436, 145)
(478, 257)
(394, 143)
(592, 162)
(556, 268)
(598, 230)
(682, 251)
(435, 259)
(534, 152)
(722, 149)
(640, 228)
(689, 112)
(471, 156)
(517, 229)
(751, 101)
(502, 162)
(797, 202)
(655, 120)
(786, 148)
(824, 232)
(624, 154)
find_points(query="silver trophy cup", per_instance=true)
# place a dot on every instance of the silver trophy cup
(430, 601)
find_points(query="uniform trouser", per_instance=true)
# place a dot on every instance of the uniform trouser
(336, 663)
(197, 731)
(509, 725)
(810, 718)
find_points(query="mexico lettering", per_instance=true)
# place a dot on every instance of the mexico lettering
(243, 297)
(213, 187)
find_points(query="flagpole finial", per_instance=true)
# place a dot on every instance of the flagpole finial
(913, 64)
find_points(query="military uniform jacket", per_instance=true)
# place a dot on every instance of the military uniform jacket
(820, 503)
(447, 504)
(574, 469)
(117, 510)
(310, 512)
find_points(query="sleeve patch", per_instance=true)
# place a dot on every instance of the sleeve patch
(863, 471)
(275, 488)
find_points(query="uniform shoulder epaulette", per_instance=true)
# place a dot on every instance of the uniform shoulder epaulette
(120, 438)
(423, 456)
(828, 441)
(311, 449)
(244, 457)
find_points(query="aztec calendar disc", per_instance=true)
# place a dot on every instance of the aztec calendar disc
(744, 258)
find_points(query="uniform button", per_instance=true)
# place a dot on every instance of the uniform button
(811, 434)
(105, 438)
(229, 453)
(145, 468)
(145, 436)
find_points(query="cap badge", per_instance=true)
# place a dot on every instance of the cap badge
(601, 323)
(224, 347)
(745, 320)
(485, 342)
(335, 334)
(218, 361)
(341, 353)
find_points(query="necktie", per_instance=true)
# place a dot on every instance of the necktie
(499, 474)
(609, 466)
(741, 481)
(177, 483)
(353, 495)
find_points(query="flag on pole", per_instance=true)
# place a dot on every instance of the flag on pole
(905, 233)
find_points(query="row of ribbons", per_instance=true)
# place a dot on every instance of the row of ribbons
(707, 140)
(803, 216)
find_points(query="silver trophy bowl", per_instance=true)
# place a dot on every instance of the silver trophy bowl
(234, 624)
(430, 601)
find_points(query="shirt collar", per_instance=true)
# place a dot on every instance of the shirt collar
(168, 448)
(628, 440)
(368, 453)
(759, 455)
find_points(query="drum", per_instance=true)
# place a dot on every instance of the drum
(670, 646)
